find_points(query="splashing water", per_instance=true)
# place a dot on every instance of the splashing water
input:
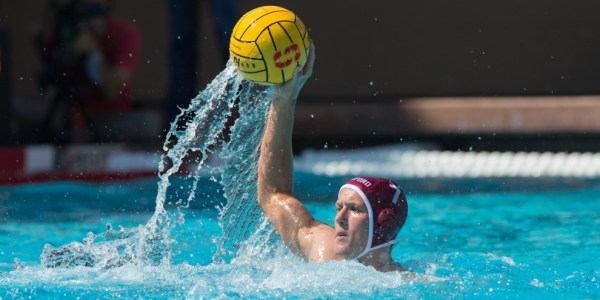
(458, 246)
(195, 135)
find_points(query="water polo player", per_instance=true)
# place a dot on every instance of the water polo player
(370, 211)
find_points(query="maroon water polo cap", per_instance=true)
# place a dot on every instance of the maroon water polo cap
(387, 208)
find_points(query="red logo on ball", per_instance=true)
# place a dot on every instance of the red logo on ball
(289, 55)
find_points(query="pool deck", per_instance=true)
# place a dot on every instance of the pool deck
(81, 162)
(449, 115)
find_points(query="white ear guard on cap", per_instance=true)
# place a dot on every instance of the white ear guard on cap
(380, 219)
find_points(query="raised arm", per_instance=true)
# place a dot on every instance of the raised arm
(275, 167)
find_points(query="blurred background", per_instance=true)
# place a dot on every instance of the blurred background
(458, 76)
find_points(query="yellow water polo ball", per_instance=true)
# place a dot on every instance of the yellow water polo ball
(267, 44)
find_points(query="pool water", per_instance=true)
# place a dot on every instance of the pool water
(471, 245)
(201, 234)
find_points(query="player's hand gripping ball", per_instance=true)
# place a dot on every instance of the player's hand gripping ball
(268, 44)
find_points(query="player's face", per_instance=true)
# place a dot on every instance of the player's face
(351, 225)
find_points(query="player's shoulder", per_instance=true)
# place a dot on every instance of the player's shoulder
(317, 241)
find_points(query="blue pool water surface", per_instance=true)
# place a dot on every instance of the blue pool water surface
(495, 244)
(201, 234)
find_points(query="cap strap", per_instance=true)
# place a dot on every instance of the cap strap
(369, 249)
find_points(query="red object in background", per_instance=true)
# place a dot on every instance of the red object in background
(12, 159)
(89, 163)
